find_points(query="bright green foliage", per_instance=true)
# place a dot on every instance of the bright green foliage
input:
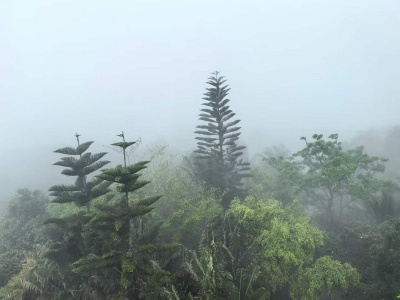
(286, 239)
(326, 273)
(217, 160)
(20, 286)
(287, 245)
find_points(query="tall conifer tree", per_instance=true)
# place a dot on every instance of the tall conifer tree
(82, 192)
(218, 161)
(71, 244)
(124, 262)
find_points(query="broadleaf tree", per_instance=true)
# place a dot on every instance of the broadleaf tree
(333, 179)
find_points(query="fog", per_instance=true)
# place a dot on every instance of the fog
(96, 68)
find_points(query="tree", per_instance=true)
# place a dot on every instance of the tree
(266, 182)
(218, 161)
(333, 179)
(25, 212)
(82, 192)
(338, 279)
(286, 243)
(124, 261)
(21, 231)
(378, 258)
(228, 266)
(71, 244)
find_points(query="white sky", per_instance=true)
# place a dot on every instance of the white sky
(98, 67)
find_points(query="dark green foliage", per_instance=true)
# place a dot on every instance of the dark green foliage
(374, 251)
(218, 161)
(21, 231)
(71, 244)
(387, 205)
(126, 253)
(10, 264)
(82, 192)
(385, 257)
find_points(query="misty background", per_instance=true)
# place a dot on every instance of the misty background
(295, 68)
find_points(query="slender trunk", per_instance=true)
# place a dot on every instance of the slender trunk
(329, 208)
(84, 188)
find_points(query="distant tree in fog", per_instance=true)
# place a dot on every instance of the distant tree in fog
(331, 178)
(218, 157)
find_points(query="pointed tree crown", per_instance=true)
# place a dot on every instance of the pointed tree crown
(218, 155)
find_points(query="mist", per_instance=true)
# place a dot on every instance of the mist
(146, 68)
(96, 68)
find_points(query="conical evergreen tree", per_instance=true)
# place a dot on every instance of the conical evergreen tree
(82, 192)
(126, 258)
(218, 156)
(71, 244)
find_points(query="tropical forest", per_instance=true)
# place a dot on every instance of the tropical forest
(320, 222)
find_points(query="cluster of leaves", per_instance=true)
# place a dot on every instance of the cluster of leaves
(374, 251)
(21, 232)
(331, 179)
(287, 245)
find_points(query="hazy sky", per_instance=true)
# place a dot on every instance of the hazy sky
(99, 67)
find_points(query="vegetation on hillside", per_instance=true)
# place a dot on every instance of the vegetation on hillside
(321, 223)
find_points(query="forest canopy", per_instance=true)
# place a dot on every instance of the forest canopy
(319, 223)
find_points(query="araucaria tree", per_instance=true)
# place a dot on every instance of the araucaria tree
(70, 245)
(124, 262)
(82, 192)
(218, 161)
